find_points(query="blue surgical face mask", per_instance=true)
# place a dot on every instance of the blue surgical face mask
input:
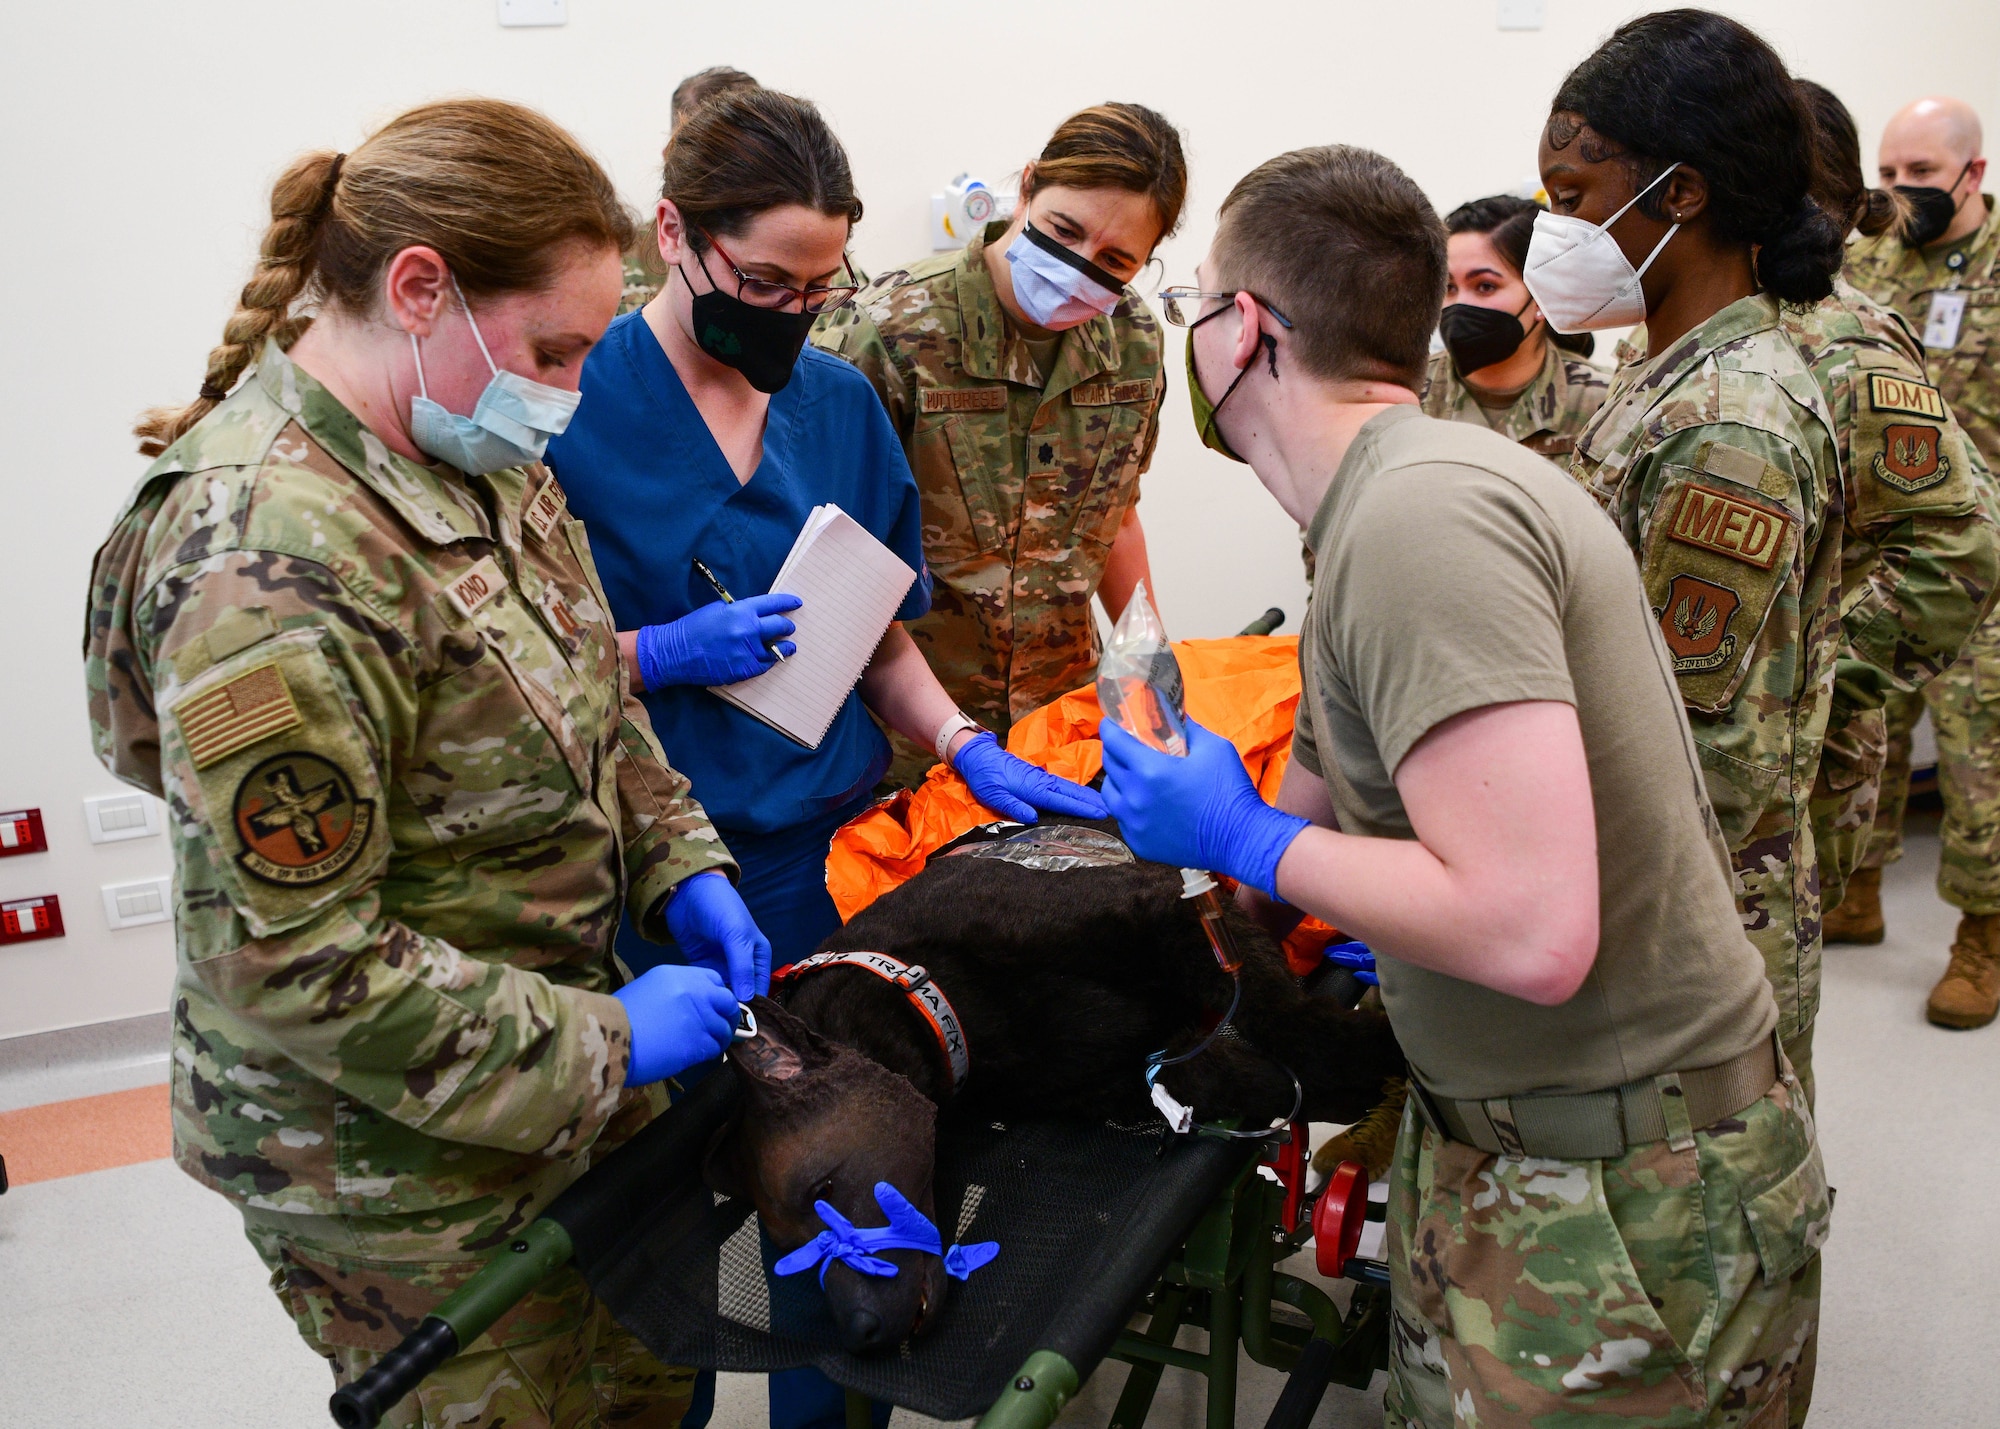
(1058, 287)
(511, 426)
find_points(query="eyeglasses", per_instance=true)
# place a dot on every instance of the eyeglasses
(763, 293)
(1172, 298)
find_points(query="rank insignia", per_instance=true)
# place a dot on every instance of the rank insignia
(1695, 622)
(300, 821)
(1910, 459)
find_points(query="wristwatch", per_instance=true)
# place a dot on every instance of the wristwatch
(949, 731)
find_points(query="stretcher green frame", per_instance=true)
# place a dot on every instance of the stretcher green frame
(1203, 1254)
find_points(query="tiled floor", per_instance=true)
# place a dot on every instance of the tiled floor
(128, 1297)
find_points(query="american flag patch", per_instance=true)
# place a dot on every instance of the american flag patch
(236, 714)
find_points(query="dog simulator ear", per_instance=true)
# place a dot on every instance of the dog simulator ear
(770, 1056)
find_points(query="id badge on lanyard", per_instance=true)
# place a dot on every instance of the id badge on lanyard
(1941, 326)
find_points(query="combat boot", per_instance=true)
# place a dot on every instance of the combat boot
(1858, 918)
(1371, 1140)
(1968, 995)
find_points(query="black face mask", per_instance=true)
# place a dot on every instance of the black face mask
(761, 343)
(1931, 211)
(1478, 337)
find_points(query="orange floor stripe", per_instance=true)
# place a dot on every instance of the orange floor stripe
(68, 1138)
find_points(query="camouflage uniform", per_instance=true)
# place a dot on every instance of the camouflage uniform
(1547, 415)
(409, 795)
(1677, 1284)
(1025, 475)
(1718, 461)
(1919, 558)
(1963, 700)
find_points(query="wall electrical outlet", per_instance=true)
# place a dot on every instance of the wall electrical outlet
(523, 13)
(26, 919)
(21, 832)
(113, 818)
(128, 905)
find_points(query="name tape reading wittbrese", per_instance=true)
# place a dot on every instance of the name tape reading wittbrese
(1729, 526)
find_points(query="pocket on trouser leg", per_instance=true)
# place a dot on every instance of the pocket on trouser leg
(1417, 1396)
(1552, 1312)
(1771, 1212)
(635, 1390)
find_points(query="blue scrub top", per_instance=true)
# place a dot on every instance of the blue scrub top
(655, 492)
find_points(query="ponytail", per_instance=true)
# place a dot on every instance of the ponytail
(493, 188)
(300, 203)
(1881, 211)
(1797, 261)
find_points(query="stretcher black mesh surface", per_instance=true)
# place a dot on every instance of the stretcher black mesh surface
(1084, 1215)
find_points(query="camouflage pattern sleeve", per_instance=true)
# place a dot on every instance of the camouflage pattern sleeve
(851, 333)
(283, 924)
(1730, 517)
(667, 835)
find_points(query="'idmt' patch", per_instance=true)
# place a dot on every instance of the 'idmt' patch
(1899, 394)
(1695, 622)
(300, 821)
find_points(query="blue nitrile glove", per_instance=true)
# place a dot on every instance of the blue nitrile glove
(717, 644)
(680, 1016)
(706, 915)
(1014, 788)
(1198, 812)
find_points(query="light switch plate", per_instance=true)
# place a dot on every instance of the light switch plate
(128, 905)
(113, 818)
(533, 12)
(1522, 14)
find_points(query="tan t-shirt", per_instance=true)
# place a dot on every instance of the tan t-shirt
(1458, 570)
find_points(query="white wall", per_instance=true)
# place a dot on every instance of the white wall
(141, 139)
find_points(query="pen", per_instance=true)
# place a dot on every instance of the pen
(727, 599)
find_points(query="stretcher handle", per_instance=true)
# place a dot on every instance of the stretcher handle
(542, 1248)
(585, 1223)
(1264, 624)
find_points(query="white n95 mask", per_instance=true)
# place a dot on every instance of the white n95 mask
(510, 426)
(1058, 287)
(1579, 276)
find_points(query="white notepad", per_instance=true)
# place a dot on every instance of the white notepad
(851, 585)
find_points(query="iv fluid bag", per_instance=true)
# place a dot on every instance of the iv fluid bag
(1139, 680)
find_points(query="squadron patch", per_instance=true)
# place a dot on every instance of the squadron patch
(1911, 459)
(300, 821)
(1888, 393)
(1695, 622)
(236, 714)
(962, 399)
(1717, 521)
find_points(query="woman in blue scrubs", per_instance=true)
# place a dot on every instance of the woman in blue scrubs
(704, 439)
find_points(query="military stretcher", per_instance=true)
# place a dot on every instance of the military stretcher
(1162, 1233)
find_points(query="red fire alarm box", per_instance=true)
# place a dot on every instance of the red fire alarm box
(25, 919)
(21, 832)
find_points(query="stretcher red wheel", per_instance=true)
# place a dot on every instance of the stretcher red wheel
(1338, 1216)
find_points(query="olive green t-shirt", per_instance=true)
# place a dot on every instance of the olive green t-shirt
(1458, 570)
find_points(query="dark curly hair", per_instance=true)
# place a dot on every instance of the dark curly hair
(1509, 225)
(1697, 88)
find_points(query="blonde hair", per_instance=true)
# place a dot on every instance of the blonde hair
(493, 187)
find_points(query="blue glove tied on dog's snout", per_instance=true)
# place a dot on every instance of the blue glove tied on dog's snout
(855, 1246)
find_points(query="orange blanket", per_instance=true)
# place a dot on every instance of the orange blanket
(1245, 689)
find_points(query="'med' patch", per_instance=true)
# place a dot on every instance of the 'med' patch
(1729, 526)
(962, 399)
(236, 714)
(1899, 394)
(299, 820)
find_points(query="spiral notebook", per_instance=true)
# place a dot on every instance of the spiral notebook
(851, 585)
